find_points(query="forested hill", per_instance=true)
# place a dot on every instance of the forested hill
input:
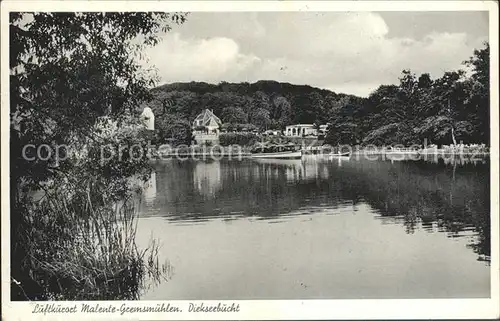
(265, 103)
(452, 108)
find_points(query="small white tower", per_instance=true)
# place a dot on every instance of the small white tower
(148, 118)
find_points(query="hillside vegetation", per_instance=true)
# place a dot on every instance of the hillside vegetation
(449, 109)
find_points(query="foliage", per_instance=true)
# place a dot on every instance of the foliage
(343, 128)
(404, 108)
(260, 117)
(70, 69)
(241, 139)
(447, 110)
(173, 130)
(478, 88)
(234, 115)
(264, 104)
(381, 135)
(229, 127)
(75, 81)
(85, 247)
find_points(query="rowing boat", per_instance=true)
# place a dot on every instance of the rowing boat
(340, 155)
(279, 155)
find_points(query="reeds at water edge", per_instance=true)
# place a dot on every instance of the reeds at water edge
(81, 246)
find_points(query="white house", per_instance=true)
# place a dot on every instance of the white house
(206, 127)
(211, 124)
(300, 130)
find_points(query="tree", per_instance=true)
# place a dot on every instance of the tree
(260, 100)
(382, 135)
(234, 115)
(74, 77)
(69, 69)
(445, 107)
(480, 64)
(395, 110)
(424, 81)
(260, 117)
(282, 113)
(344, 125)
(174, 130)
(380, 103)
(408, 84)
(303, 108)
(319, 106)
(392, 114)
(478, 100)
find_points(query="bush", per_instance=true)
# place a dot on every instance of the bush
(242, 139)
(230, 127)
(174, 131)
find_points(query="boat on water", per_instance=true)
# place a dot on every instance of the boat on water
(278, 155)
(340, 155)
(275, 151)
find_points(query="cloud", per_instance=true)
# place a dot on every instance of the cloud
(344, 52)
(198, 59)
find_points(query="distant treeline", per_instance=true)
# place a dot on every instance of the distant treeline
(446, 110)
(261, 105)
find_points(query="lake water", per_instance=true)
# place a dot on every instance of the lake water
(319, 229)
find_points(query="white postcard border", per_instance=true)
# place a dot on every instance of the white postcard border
(262, 309)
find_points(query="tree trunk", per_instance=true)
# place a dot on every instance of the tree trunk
(453, 136)
(452, 128)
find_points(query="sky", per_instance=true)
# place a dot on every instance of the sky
(346, 52)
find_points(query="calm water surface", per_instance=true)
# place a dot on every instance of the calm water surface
(317, 229)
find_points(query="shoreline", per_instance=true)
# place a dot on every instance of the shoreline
(358, 153)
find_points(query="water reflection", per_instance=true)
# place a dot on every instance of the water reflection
(150, 188)
(443, 196)
(447, 159)
(207, 178)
